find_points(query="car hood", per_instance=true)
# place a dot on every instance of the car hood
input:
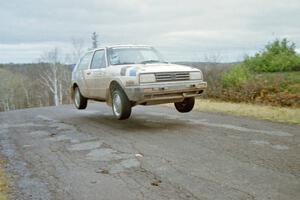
(152, 68)
(158, 67)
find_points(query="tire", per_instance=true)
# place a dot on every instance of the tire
(186, 105)
(80, 101)
(121, 106)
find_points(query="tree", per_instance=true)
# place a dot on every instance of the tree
(11, 92)
(49, 76)
(94, 40)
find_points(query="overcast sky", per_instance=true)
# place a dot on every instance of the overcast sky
(189, 30)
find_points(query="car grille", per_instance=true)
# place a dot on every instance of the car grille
(172, 76)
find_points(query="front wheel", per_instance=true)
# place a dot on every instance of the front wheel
(121, 106)
(79, 100)
(186, 105)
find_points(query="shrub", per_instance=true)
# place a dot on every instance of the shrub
(280, 89)
(251, 81)
(213, 77)
(236, 77)
(277, 56)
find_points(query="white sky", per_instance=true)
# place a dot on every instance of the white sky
(189, 30)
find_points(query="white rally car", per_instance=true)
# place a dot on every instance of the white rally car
(128, 75)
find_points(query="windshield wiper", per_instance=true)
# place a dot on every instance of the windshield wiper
(150, 61)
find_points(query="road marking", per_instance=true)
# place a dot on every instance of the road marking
(280, 147)
(266, 143)
(227, 126)
(259, 142)
(243, 129)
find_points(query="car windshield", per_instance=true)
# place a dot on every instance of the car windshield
(133, 55)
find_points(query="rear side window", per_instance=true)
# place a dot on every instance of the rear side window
(85, 61)
(98, 60)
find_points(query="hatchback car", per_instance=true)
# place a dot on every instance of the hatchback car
(124, 76)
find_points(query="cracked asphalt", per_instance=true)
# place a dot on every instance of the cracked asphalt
(63, 153)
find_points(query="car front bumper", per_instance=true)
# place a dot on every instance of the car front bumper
(164, 92)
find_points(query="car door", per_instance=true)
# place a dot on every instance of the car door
(98, 69)
(83, 73)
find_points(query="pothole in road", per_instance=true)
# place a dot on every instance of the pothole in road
(44, 118)
(125, 165)
(22, 125)
(85, 146)
(115, 161)
(64, 138)
(60, 126)
(39, 133)
(103, 155)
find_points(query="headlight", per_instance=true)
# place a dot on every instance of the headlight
(195, 75)
(147, 78)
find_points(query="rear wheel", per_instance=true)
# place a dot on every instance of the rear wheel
(80, 101)
(121, 106)
(186, 105)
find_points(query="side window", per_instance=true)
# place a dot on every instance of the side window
(98, 60)
(85, 61)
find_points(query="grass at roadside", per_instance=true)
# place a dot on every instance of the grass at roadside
(3, 182)
(277, 114)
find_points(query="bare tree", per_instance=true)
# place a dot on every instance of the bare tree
(49, 75)
(64, 84)
(213, 71)
(94, 40)
(77, 44)
(25, 88)
(11, 94)
(213, 59)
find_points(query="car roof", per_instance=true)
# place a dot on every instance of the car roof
(121, 46)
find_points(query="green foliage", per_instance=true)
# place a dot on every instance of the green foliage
(251, 81)
(277, 56)
(236, 77)
(279, 88)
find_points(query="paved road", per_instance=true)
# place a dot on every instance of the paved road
(63, 153)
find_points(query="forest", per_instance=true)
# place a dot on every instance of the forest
(34, 85)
